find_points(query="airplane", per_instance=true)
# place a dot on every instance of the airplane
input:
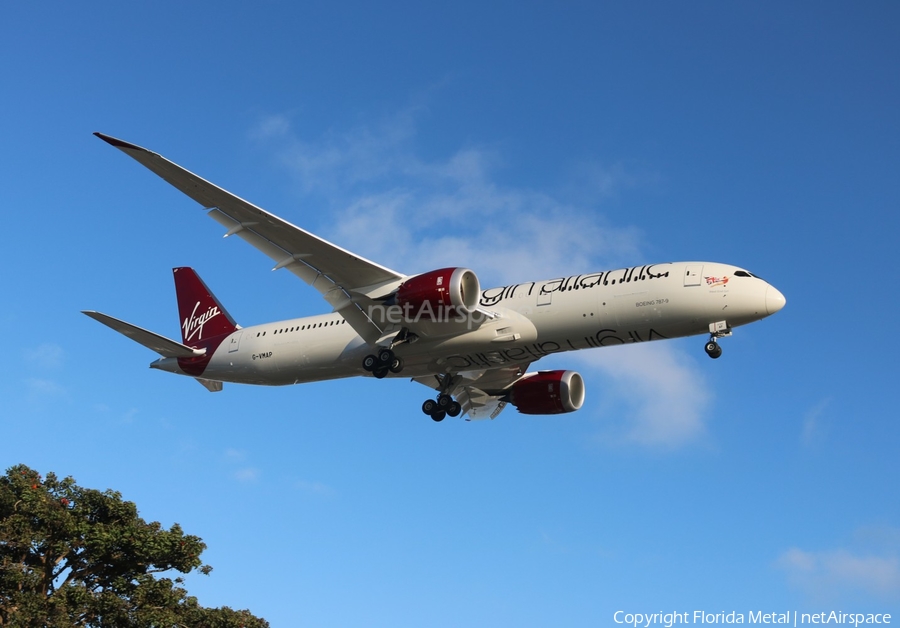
(472, 346)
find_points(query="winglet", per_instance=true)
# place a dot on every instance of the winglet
(119, 143)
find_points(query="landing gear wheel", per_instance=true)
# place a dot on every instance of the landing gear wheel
(713, 349)
(444, 401)
(438, 413)
(386, 356)
(396, 366)
(380, 372)
(369, 363)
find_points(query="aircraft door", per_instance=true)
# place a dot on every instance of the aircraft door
(693, 274)
(234, 343)
(546, 290)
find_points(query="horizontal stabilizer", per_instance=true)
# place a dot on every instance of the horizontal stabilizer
(162, 345)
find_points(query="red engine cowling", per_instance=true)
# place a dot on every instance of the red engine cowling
(548, 392)
(458, 288)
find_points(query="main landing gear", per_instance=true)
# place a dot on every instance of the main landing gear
(385, 361)
(382, 363)
(445, 405)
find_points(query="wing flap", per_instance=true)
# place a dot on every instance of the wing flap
(160, 344)
(479, 405)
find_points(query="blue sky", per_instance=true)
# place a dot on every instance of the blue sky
(525, 141)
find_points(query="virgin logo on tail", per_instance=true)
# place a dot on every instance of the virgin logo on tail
(194, 324)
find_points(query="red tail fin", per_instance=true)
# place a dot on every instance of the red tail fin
(202, 316)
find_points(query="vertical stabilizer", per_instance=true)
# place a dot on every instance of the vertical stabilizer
(201, 315)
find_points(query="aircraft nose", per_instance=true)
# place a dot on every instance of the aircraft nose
(774, 300)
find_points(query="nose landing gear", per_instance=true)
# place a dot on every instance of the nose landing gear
(716, 330)
(713, 349)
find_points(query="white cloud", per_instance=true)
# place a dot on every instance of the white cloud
(836, 572)
(414, 215)
(316, 488)
(45, 356)
(247, 475)
(663, 388)
(336, 161)
(41, 389)
(814, 428)
(504, 236)
(270, 126)
(234, 455)
(243, 473)
(871, 566)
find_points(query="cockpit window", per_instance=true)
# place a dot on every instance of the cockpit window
(744, 273)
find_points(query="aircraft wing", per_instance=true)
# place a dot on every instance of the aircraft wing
(162, 345)
(347, 281)
(479, 392)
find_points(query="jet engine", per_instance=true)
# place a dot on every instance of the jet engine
(547, 392)
(458, 288)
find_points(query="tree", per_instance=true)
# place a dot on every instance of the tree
(71, 556)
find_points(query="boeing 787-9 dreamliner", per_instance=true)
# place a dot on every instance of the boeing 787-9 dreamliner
(473, 346)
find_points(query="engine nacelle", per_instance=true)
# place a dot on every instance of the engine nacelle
(458, 288)
(548, 392)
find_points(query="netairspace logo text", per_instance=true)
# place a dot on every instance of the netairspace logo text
(788, 618)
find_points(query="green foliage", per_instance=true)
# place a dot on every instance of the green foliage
(71, 556)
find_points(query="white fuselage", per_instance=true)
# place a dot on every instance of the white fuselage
(515, 324)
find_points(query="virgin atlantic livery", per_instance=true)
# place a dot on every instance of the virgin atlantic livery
(440, 328)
